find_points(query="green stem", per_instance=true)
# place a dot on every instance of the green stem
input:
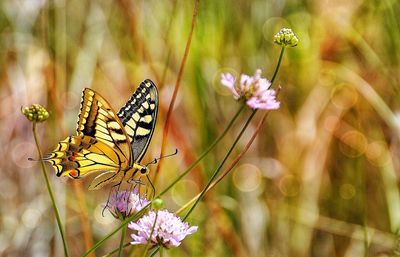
(220, 165)
(121, 243)
(146, 249)
(99, 243)
(161, 252)
(53, 201)
(278, 65)
(116, 250)
(155, 251)
(124, 223)
(216, 141)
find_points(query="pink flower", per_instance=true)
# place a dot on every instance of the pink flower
(255, 90)
(169, 229)
(229, 81)
(125, 204)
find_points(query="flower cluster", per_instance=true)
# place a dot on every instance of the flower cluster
(160, 228)
(35, 112)
(124, 204)
(286, 37)
(255, 90)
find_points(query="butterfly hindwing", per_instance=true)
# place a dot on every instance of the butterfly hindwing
(98, 120)
(77, 156)
(139, 115)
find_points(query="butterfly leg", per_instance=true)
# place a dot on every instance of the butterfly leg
(153, 189)
(109, 195)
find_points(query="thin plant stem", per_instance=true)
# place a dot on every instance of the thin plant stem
(220, 165)
(53, 201)
(231, 166)
(98, 244)
(124, 223)
(146, 249)
(121, 243)
(175, 93)
(278, 65)
(161, 252)
(216, 141)
(155, 251)
(116, 250)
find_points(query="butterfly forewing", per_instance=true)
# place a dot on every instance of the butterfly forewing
(138, 116)
(98, 120)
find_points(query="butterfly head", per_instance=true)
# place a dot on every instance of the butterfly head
(144, 170)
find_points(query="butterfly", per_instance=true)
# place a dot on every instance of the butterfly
(109, 143)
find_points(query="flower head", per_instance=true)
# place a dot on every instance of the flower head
(35, 112)
(255, 90)
(286, 37)
(169, 229)
(124, 204)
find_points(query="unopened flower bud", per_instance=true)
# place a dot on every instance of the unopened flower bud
(157, 204)
(286, 37)
(35, 112)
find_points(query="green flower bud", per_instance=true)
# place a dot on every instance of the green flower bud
(285, 37)
(157, 204)
(35, 112)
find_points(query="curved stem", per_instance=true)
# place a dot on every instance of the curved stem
(231, 166)
(53, 201)
(278, 65)
(220, 165)
(121, 243)
(216, 141)
(177, 84)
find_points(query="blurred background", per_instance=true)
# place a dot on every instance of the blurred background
(321, 179)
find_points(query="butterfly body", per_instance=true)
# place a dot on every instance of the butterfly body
(106, 142)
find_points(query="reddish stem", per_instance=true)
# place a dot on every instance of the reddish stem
(177, 84)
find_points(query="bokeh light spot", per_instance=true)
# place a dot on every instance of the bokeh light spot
(247, 177)
(184, 191)
(98, 215)
(344, 96)
(31, 217)
(21, 152)
(347, 191)
(353, 143)
(272, 26)
(271, 168)
(289, 185)
(377, 153)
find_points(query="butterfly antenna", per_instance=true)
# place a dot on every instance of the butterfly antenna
(157, 159)
(33, 160)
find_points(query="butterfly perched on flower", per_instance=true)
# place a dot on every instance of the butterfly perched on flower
(107, 142)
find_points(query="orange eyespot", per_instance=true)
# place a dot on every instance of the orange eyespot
(73, 174)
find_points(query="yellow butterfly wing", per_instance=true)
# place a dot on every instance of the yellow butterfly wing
(97, 119)
(77, 156)
(100, 146)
